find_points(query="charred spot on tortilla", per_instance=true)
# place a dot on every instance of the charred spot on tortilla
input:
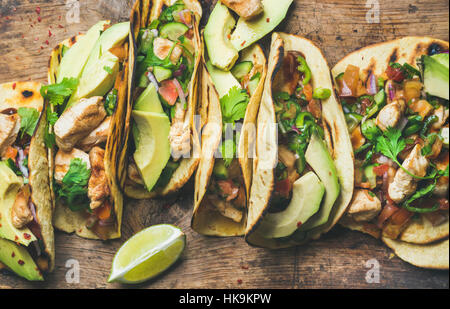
(27, 94)
(279, 63)
(435, 48)
(73, 40)
(9, 111)
(394, 56)
(328, 132)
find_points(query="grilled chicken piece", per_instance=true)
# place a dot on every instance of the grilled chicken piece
(364, 206)
(96, 137)
(20, 213)
(286, 157)
(98, 189)
(442, 115)
(9, 128)
(442, 184)
(162, 48)
(226, 209)
(245, 8)
(404, 185)
(390, 115)
(180, 134)
(79, 121)
(133, 174)
(63, 159)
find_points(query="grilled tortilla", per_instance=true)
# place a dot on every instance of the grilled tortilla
(419, 241)
(83, 223)
(144, 12)
(335, 134)
(13, 97)
(208, 219)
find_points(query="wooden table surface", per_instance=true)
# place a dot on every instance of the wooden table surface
(339, 260)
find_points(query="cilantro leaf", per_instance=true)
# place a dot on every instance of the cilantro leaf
(425, 191)
(58, 93)
(29, 118)
(234, 105)
(390, 143)
(74, 186)
(167, 13)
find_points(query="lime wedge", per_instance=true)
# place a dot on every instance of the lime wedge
(147, 254)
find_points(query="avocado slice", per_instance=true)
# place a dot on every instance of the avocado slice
(75, 58)
(223, 80)
(19, 260)
(307, 194)
(318, 157)
(161, 73)
(102, 66)
(222, 54)
(151, 132)
(435, 75)
(149, 101)
(248, 32)
(9, 187)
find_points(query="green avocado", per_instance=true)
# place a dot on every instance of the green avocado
(75, 58)
(149, 101)
(18, 260)
(9, 187)
(223, 80)
(307, 194)
(102, 67)
(318, 157)
(436, 75)
(217, 31)
(248, 32)
(151, 136)
(161, 73)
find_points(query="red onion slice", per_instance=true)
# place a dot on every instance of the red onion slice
(20, 160)
(372, 85)
(180, 91)
(152, 79)
(33, 210)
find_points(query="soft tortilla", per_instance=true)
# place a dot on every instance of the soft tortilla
(75, 222)
(142, 14)
(27, 94)
(434, 255)
(336, 136)
(375, 58)
(206, 219)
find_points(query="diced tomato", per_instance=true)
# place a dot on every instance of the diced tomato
(229, 189)
(283, 188)
(388, 210)
(308, 92)
(350, 81)
(380, 169)
(169, 92)
(395, 74)
(11, 153)
(104, 212)
(443, 203)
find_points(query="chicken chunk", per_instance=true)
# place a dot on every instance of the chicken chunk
(364, 206)
(404, 185)
(79, 121)
(98, 189)
(245, 8)
(20, 213)
(9, 128)
(133, 174)
(227, 210)
(162, 48)
(63, 159)
(442, 115)
(390, 115)
(96, 137)
(180, 134)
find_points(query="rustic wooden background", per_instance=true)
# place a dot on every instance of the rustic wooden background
(338, 260)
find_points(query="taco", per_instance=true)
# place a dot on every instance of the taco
(303, 176)
(229, 106)
(86, 98)
(395, 99)
(26, 231)
(165, 55)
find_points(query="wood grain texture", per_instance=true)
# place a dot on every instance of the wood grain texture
(338, 260)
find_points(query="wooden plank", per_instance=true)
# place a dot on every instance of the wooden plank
(338, 260)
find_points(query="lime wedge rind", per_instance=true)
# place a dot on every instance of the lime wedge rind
(118, 273)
